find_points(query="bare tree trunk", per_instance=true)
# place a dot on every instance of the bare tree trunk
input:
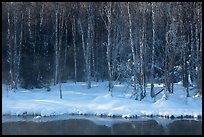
(93, 64)
(89, 67)
(109, 64)
(93, 72)
(166, 60)
(83, 45)
(39, 37)
(96, 61)
(56, 45)
(185, 65)
(66, 49)
(61, 31)
(198, 44)
(41, 16)
(144, 64)
(89, 42)
(29, 25)
(153, 48)
(166, 76)
(200, 63)
(108, 24)
(169, 56)
(142, 47)
(19, 50)
(60, 86)
(109, 15)
(60, 83)
(10, 49)
(15, 48)
(133, 51)
(74, 43)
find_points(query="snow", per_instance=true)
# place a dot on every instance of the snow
(77, 99)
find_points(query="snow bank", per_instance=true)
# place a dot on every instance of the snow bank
(77, 99)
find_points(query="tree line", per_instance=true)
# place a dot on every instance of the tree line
(48, 43)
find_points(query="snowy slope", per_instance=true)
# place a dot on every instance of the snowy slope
(77, 99)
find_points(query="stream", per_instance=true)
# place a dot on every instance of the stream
(95, 125)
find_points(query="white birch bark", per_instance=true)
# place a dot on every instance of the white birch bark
(108, 11)
(10, 53)
(133, 52)
(56, 46)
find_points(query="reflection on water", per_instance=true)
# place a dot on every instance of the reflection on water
(185, 127)
(101, 126)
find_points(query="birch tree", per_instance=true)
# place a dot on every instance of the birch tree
(37, 42)
(74, 43)
(89, 42)
(133, 51)
(185, 56)
(142, 50)
(198, 13)
(171, 38)
(153, 6)
(56, 45)
(19, 50)
(61, 32)
(86, 38)
(10, 53)
(108, 24)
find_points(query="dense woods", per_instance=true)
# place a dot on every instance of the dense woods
(46, 43)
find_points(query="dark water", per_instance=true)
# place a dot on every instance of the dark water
(101, 126)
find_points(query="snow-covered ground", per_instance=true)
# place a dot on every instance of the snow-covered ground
(77, 99)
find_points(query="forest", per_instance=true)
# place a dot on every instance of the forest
(48, 43)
